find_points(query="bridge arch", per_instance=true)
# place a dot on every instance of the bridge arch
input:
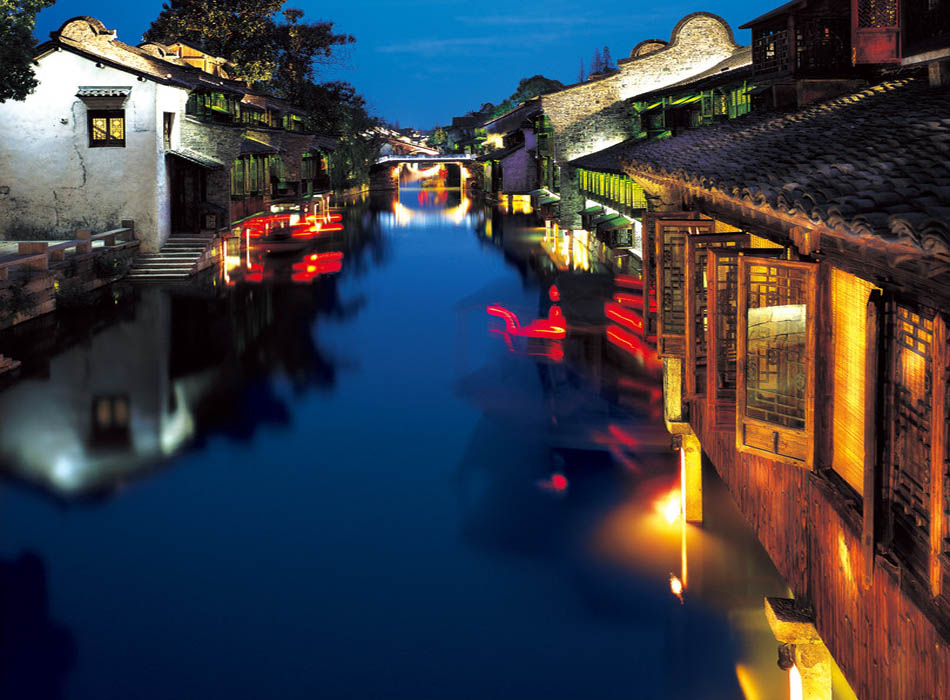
(388, 172)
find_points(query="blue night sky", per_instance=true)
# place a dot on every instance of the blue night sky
(420, 62)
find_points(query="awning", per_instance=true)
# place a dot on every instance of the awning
(250, 146)
(618, 221)
(602, 218)
(550, 200)
(541, 192)
(687, 100)
(196, 158)
(652, 106)
(104, 97)
(591, 210)
(758, 90)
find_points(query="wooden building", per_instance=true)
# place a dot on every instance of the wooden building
(801, 266)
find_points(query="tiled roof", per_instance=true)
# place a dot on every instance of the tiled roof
(123, 91)
(501, 153)
(249, 145)
(607, 160)
(196, 158)
(875, 163)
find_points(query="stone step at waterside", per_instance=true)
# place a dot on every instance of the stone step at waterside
(176, 260)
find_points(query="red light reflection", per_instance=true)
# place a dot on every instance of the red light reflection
(628, 281)
(554, 293)
(552, 327)
(316, 264)
(624, 316)
(633, 345)
(557, 483)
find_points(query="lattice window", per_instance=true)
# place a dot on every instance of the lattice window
(696, 286)
(770, 51)
(912, 434)
(671, 238)
(722, 285)
(877, 13)
(106, 127)
(776, 357)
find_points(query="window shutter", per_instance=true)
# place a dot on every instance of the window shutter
(775, 360)
(849, 301)
(671, 236)
(917, 455)
(696, 320)
(875, 31)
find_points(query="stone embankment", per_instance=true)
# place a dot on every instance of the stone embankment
(38, 276)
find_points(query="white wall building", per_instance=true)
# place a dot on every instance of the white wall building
(87, 148)
(157, 134)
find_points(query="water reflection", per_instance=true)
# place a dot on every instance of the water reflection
(36, 653)
(167, 366)
(467, 483)
(600, 423)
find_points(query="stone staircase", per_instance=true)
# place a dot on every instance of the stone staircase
(177, 260)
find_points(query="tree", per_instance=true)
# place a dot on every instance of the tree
(580, 74)
(438, 137)
(607, 61)
(17, 19)
(246, 33)
(527, 89)
(596, 63)
(301, 46)
(281, 55)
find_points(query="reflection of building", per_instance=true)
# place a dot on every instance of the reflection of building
(157, 134)
(132, 396)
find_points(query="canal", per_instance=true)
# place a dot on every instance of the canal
(372, 468)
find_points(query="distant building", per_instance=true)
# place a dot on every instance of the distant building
(157, 134)
(510, 164)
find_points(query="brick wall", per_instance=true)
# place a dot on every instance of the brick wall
(591, 116)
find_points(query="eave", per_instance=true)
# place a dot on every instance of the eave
(900, 266)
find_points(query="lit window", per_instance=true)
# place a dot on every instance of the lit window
(111, 419)
(849, 302)
(106, 127)
(775, 403)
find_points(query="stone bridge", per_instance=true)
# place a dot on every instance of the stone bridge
(384, 174)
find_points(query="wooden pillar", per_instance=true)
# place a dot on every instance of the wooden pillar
(673, 389)
(937, 442)
(793, 624)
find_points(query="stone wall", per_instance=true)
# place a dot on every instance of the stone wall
(52, 182)
(591, 116)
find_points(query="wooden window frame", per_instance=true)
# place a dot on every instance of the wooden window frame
(108, 115)
(721, 402)
(790, 445)
(937, 572)
(696, 302)
(671, 343)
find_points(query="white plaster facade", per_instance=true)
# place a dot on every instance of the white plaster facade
(52, 182)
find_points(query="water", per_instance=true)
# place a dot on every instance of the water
(360, 487)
